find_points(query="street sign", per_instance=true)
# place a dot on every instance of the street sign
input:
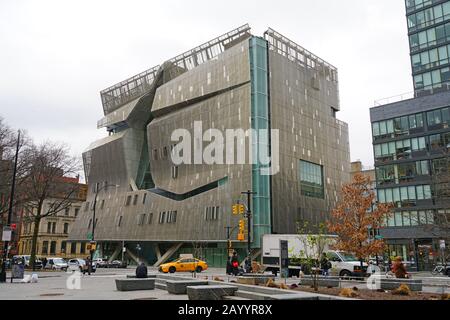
(442, 244)
(89, 236)
(378, 237)
(6, 235)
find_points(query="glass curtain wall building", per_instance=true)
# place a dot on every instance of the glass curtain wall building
(429, 39)
(411, 143)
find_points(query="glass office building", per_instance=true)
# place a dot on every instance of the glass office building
(429, 40)
(411, 143)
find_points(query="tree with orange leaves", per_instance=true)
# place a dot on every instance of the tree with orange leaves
(355, 215)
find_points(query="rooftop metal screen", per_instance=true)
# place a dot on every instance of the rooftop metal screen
(134, 87)
(296, 53)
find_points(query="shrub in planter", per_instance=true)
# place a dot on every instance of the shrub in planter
(348, 293)
(402, 290)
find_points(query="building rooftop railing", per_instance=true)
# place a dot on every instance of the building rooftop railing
(295, 52)
(134, 87)
(411, 95)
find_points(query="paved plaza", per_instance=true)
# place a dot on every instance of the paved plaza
(101, 286)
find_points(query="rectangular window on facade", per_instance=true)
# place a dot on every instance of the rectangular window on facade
(73, 248)
(53, 247)
(77, 211)
(102, 204)
(66, 211)
(44, 247)
(82, 248)
(54, 227)
(311, 179)
(414, 218)
(141, 219)
(63, 247)
(398, 219)
(66, 228)
(119, 221)
(135, 200)
(162, 216)
(406, 219)
(150, 218)
(49, 227)
(144, 198)
(128, 201)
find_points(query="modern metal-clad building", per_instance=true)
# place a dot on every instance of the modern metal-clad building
(234, 85)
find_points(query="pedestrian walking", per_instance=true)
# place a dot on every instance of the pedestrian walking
(88, 266)
(235, 263)
(325, 265)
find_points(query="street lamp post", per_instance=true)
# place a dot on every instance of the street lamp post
(10, 209)
(93, 217)
(248, 215)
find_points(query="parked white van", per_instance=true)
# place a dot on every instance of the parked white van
(345, 265)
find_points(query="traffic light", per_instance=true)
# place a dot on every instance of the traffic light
(235, 209)
(241, 208)
(241, 226)
(13, 226)
(241, 237)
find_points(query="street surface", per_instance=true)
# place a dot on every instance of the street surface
(101, 285)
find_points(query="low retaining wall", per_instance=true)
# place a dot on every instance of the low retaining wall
(321, 281)
(135, 284)
(210, 292)
(180, 286)
(394, 283)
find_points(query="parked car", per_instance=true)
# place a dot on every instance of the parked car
(184, 264)
(27, 259)
(101, 262)
(56, 264)
(117, 264)
(78, 264)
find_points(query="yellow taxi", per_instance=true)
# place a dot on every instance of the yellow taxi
(184, 265)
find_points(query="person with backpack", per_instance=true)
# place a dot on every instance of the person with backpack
(325, 265)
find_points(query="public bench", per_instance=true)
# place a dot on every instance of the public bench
(135, 284)
(210, 292)
(179, 286)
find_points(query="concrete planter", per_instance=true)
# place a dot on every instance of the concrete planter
(179, 287)
(135, 284)
(394, 283)
(210, 292)
(321, 281)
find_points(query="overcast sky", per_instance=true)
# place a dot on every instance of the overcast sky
(56, 56)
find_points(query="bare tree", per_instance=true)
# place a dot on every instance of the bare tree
(8, 143)
(314, 241)
(48, 182)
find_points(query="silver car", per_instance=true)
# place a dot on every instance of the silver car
(56, 264)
